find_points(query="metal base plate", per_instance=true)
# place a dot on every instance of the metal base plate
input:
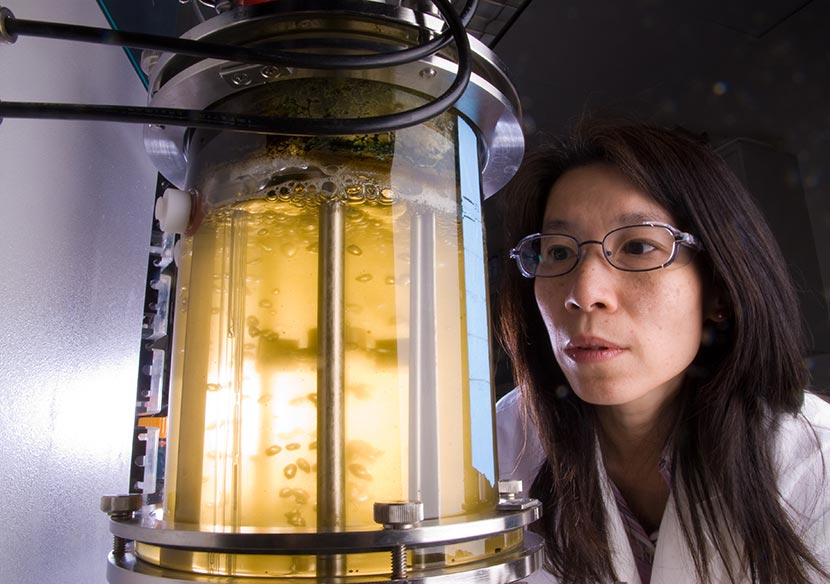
(502, 569)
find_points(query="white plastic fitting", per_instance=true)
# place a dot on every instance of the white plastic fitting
(173, 210)
(177, 253)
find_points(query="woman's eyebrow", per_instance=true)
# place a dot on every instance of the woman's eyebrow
(555, 225)
(640, 217)
(621, 220)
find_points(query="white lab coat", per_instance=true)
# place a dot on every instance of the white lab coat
(802, 484)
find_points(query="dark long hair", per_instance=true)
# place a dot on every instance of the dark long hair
(744, 380)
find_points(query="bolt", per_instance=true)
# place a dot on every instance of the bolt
(269, 72)
(241, 79)
(399, 515)
(120, 507)
(428, 73)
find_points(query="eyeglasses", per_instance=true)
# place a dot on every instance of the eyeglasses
(634, 248)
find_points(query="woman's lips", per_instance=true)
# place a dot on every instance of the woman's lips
(592, 350)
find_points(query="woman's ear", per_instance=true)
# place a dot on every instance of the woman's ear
(716, 311)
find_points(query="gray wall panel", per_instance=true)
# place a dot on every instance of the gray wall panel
(77, 209)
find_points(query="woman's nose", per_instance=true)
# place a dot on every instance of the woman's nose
(592, 282)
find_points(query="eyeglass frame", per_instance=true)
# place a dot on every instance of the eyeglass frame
(680, 238)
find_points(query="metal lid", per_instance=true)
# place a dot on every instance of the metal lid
(490, 102)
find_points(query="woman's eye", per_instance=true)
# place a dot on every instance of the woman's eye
(559, 253)
(638, 247)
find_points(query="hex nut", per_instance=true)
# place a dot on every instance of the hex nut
(121, 504)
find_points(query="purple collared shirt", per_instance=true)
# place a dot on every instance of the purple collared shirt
(643, 545)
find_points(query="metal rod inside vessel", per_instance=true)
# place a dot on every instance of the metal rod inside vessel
(331, 502)
(423, 406)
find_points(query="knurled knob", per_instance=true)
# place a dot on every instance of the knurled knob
(399, 514)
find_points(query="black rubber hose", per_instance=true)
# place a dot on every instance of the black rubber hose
(207, 50)
(262, 124)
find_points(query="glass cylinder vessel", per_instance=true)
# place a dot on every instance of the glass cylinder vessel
(331, 341)
(331, 344)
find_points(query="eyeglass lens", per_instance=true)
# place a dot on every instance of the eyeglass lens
(636, 248)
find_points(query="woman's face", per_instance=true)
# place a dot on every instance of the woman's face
(619, 337)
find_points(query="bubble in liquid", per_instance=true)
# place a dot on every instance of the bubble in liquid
(386, 197)
(265, 303)
(290, 471)
(390, 280)
(262, 232)
(295, 518)
(303, 465)
(264, 399)
(273, 450)
(312, 445)
(286, 492)
(266, 248)
(213, 387)
(362, 449)
(360, 471)
(289, 250)
(293, 446)
(364, 278)
(252, 321)
(300, 496)
(355, 199)
(363, 391)
(271, 195)
(312, 397)
(358, 494)
(254, 331)
(275, 291)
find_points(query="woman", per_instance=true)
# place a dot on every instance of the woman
(660, 414)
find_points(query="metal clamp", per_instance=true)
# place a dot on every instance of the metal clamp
(5, 35)
(509, 499)
(120, 507)
(399, 515)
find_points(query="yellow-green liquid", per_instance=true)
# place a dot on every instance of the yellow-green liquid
(243, 449)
